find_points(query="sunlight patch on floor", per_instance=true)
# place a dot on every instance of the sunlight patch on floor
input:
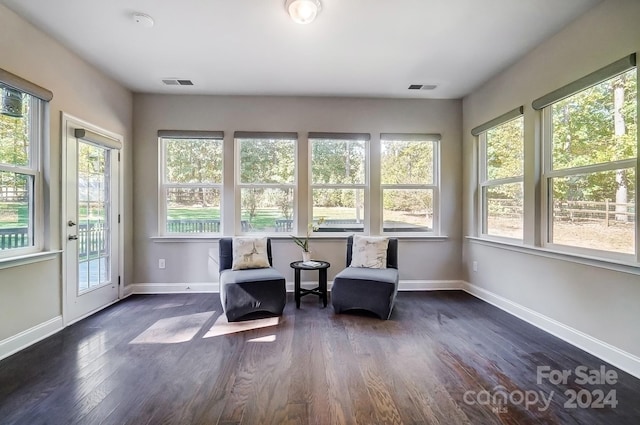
(223, 327)
(268, 338)
(172, 305)
(174, 330)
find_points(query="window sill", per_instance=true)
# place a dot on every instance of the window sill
(603, 263)
(280, 236)
(344, 236)
(22, 260)
(186, 238)
(416, 237)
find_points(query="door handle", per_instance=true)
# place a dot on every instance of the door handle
(73, 237)
(70, 223)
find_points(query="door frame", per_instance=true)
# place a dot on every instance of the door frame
(68, 124)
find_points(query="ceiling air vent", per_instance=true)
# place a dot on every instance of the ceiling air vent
(422, 87)
(176, 82)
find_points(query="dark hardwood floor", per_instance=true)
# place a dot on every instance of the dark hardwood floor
(443, 358)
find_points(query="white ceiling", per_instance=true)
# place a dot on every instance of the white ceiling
(371, 48)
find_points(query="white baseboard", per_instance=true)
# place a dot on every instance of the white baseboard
(171, 288)
(208, 287)
(607, 352)
(430, 285)
(30, 336)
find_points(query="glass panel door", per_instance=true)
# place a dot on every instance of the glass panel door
(91, 229)
(94, 248)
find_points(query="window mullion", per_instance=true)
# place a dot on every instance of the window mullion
(505, 180)
(409, 186)
(338, 186)
(192, 185)
(596, 168)
(19, 170)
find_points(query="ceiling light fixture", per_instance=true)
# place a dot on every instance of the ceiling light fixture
(303, 11)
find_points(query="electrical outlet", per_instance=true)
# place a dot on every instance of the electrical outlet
(475, 266)
(161, 263)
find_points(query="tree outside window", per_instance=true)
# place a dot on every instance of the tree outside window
(409, 182)
(191, 183)
(267, 181)
(591, 166)
(339, 181)
(501, 179)
(19, 171)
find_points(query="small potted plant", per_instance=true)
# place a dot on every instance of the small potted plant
(304, 242)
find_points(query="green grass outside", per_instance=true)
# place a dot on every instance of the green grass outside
(14, 214)
(17, 215)
(265, 218)
(336, 213)
(193, 213)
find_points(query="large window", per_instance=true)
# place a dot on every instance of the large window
(21, 135)
(266, 181)
(590, 161)
(501, 177)
(339, 181)
(409, 182)
(191, 182)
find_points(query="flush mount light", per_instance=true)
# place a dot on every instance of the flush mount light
(303, 11)
(143, 20)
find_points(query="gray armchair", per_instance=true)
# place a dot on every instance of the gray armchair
(363, 289)
(252, 293)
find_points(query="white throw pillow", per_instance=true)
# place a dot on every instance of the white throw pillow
(250, 253)
(370, 252)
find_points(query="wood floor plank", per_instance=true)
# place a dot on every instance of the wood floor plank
(151, 360)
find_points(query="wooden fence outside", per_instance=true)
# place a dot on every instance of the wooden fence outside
(13, 194)
(574, 211)
(606, 211)
(91, 237)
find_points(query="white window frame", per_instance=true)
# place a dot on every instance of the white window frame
(548, 173)
(435, 140)
(365, 187)
(484, 183)
(239, 185)
(163, 136)
(39, 131)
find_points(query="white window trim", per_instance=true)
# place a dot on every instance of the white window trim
(562, 255)
(364, 186)
(435, 186)
(548, 173)
(484, 183)
(38, 131)
(163, 186)
(238, 186)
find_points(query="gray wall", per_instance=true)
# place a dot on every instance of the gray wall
(599, 302)
(188, 261)
(31, 294)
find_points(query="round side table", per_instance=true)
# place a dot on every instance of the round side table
(321, 290)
